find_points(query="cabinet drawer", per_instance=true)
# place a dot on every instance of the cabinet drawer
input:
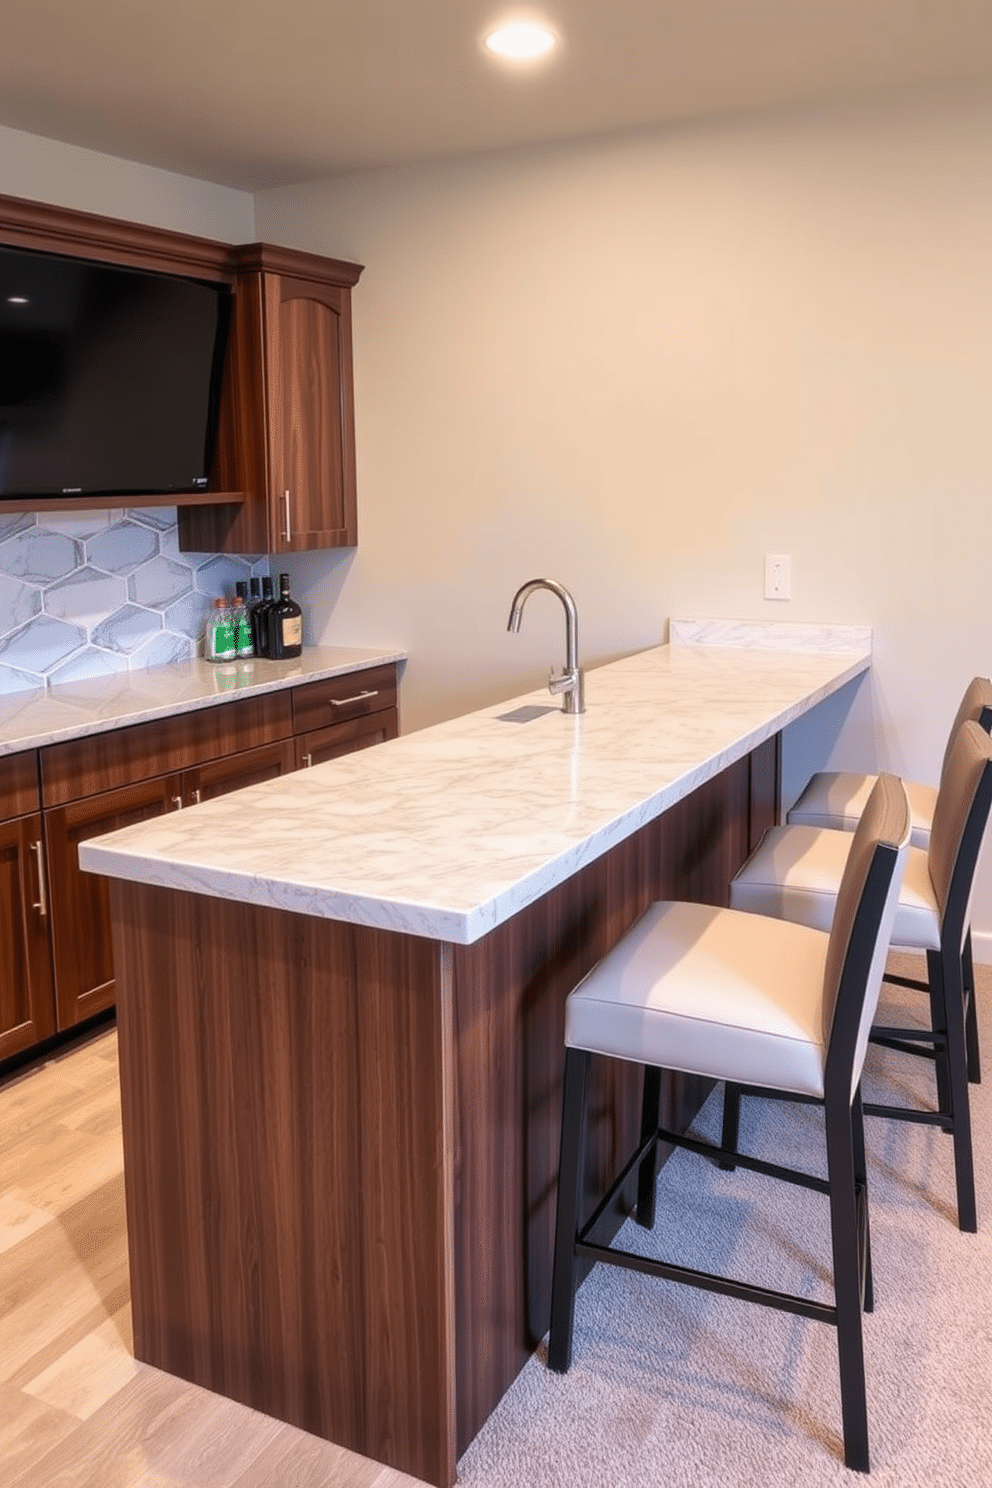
(345, 738)
(320, 704)
(83, 767)
(19, 785)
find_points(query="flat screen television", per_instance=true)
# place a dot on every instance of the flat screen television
(109, 378)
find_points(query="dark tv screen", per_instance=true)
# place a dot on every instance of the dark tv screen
(109, 378)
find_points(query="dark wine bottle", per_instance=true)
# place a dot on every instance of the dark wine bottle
(285, 624)
(260, 618)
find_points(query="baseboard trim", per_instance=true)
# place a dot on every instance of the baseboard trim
(981, 946)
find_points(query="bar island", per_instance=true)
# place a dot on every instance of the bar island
(341, 1012)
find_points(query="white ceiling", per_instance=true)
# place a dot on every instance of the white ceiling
(256, 93)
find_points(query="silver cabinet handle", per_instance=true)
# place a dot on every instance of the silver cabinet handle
(177, 801)
(196, 797)
(41, 903)
(307, 761)
(358, 698)
(288, 533)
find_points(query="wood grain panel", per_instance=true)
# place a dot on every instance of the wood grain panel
(27, 1007)
(766, 788)
(240, 459)
(308, 379)
(32, 224)
(345, 738)
(290, 1230)
(81, 937)
(101, 762)
(336, 699)
(19, 794)
(235, 771)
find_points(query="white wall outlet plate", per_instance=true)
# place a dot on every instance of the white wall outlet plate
(778, 576)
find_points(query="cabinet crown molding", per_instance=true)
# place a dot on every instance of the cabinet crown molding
(33, 224)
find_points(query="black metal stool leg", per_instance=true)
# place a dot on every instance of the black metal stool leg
(945, 978)
(938, 1022)
(570, 1169)
(861, 1180)
(647, 1173)
(847, 1282)
(971, 1017)
(731, 1123)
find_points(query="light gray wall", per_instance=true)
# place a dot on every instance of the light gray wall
(640, 363)
(67, 176)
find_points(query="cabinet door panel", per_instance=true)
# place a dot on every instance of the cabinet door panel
(311, 433)
(19, 794)
(27, 1010)
(250, 767)
(345, 738)
(81, 943)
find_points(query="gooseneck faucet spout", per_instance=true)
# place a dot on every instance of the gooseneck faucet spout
(570, 683)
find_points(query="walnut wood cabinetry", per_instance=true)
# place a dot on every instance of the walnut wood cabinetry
(56, 961)
(283, 477)
(291, 445)
(26, 1008)
(344, 714)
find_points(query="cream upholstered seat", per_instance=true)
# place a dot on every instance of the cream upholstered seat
(835, 799)
(795, 872)
(737, 997)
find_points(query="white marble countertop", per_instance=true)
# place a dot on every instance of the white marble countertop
(448, 832)
(71, 710)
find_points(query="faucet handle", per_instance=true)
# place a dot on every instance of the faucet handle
(563, 681)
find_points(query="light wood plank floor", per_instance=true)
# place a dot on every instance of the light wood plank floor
(76, 1409)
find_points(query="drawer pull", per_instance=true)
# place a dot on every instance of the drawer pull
(177, 801)
(41, 903)
(307, 761)
(196, 797)
(359, 697)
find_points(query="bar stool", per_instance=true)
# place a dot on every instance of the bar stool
(835, 799)
(738, 997)
(794, 874)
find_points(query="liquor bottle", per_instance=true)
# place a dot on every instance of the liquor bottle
(285, 624)
(260, 618)
(243, 643)
(219, 641)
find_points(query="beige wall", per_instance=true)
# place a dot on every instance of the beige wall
(639, 364)
(87, 181)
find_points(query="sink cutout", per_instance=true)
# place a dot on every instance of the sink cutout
(526, 713)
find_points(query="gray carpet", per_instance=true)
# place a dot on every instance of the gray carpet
(671, 1386)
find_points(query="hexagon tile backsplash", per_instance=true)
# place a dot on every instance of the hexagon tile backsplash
(84, 593)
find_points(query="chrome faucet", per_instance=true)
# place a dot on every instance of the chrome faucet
(570, 683)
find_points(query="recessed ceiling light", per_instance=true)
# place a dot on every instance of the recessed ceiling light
(521, 41)
(17, 299)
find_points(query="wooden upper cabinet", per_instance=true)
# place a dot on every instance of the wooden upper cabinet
(286, 416)
(287, 428)
(311, 414)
